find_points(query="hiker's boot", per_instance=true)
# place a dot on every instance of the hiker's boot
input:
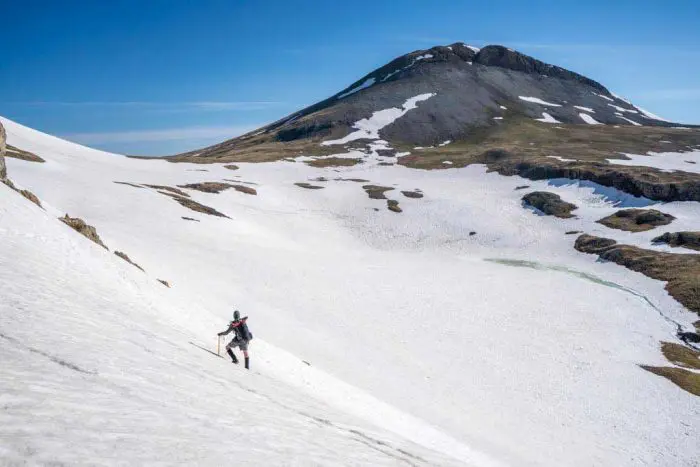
(233, 356)
(247, 363)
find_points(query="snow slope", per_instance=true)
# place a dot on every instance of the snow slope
(506, 346)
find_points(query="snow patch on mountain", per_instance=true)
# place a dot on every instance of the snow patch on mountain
(368, 128)
(631, 121)
(585, 109)
(588, 119)
(622, 109)
(547, 118)
(537, 100)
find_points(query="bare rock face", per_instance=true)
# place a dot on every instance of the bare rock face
(84, 229)
(3, 169)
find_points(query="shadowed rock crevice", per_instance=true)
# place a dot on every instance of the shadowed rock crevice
(636, 220)
(549, 203)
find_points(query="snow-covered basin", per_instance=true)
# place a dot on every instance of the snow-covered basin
(103, 366)
(527, 366)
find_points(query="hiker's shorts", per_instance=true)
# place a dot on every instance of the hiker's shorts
(240, 343)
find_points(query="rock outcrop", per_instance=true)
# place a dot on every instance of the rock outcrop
(83, 228)
(3, 168)
(689, 240)
(636, 220)
(549, 203)
(680, 271)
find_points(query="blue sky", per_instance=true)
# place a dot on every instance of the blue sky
(160, 77)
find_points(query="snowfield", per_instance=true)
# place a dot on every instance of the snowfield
(380, 338)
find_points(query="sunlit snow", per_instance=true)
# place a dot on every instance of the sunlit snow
(537, 100)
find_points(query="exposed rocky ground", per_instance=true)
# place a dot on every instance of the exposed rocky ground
(308, 186)
(17, 153)
(376, 191)
(636, 220)
(3, 168)
(690, 240)
(680, 271)
(126, 258)
(549, 203)
(84, 229)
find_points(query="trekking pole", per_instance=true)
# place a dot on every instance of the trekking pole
(218, 344)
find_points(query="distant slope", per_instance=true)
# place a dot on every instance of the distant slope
(475, 90)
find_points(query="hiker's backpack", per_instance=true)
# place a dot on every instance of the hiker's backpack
(244, 332)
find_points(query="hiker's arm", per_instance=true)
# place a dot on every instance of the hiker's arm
(230, 328)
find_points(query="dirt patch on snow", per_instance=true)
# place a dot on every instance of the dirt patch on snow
(393, 206)
(376, 191)
(168, 189)
(83, 229)
(129, 184)
(636, 220)
(126, 258)
(231, 167)
(334, 162)
(165, 283)
(681, 272)
(17, 153)
(685, 379)
(195, 206)
(412, 194)
(549, 203)
(208, 187)
(309, 186)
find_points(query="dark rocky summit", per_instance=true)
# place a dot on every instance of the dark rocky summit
(549, 203)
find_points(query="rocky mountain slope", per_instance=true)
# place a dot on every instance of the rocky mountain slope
(473, 91)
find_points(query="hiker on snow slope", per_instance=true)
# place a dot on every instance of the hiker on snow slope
(241, 339)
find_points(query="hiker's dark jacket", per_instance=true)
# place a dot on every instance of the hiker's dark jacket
(240, 328)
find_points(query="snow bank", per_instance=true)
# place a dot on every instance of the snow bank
(537, 100)
(588, 119)
(546, 118)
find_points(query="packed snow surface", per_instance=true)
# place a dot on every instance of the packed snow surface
(537, 100)
(425, 345)
(588, 119)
